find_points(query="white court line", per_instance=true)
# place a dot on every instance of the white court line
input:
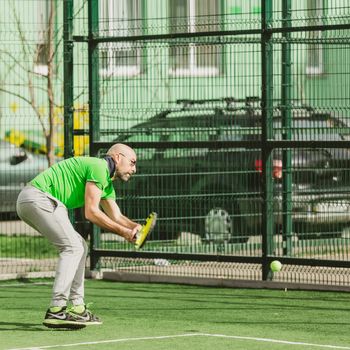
(277, 341)
(266, 340)
(107, 341)
(26, 284)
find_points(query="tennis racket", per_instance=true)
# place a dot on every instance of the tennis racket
(146, 230)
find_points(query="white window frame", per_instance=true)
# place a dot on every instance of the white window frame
(43, 24)
(193, 69)
(311, 69)
(113, 70)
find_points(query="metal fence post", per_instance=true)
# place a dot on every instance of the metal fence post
(68, 68)
(68, 77)
(267, 129)
(94, 106)
(287, 124)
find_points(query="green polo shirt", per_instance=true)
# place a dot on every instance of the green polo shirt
(66, 180)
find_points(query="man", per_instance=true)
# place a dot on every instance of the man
(43, 205)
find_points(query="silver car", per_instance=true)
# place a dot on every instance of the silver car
(17, 168)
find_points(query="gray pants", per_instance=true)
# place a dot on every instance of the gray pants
(49, 216)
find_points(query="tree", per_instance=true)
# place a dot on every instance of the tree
(32, 85)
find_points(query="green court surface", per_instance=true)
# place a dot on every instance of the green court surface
(163, 316)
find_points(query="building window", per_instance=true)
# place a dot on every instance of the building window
(192, 16)
(314, 59)
(120, 18)
(42, 47)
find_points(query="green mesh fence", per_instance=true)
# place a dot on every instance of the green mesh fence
(31, 123)
(238, 112)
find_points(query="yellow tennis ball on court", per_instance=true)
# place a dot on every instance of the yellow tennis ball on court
(275, 266)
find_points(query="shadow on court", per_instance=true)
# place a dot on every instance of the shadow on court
(29, 327)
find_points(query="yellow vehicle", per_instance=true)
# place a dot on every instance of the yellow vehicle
(34, 140)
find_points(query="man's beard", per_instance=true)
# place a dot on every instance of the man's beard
(122, 176)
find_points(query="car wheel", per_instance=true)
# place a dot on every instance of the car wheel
(218, 225)
(225, 223)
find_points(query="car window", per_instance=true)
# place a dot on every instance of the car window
(18, 158)
(238, 133)
(191, 134)
(188, 134)
(143, 135)
(11, 154)
(313, 129)
(232, 134)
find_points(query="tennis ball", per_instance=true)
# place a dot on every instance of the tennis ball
(275, 266)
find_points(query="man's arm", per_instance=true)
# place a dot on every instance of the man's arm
(94, 214)
(110, 207)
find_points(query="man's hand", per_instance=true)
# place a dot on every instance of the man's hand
(134, 233)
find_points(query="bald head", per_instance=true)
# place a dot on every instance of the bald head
(121, 148)
(124, 158)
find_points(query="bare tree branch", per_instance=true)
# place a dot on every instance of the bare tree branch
(20, 31)
(25, 63)
(21, 97)
(14, 59)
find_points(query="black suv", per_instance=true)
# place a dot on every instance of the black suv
(216, 193)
